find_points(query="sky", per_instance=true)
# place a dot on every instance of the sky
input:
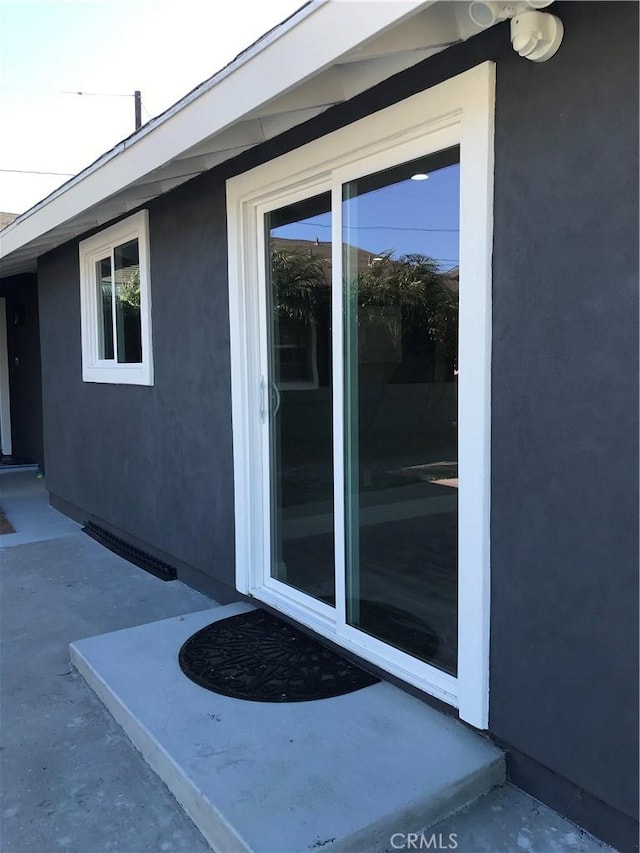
(49, 48)
(411, 217)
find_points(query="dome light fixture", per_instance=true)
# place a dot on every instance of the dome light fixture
(535, 35)
(419, 176)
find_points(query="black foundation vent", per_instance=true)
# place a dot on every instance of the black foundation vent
(128, 552)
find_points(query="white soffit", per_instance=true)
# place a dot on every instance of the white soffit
(326, 53)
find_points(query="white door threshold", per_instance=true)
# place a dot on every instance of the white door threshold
(336, 774)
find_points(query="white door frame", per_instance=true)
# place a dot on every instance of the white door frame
(5, 392)
(456, 112)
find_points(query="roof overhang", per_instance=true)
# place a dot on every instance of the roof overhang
(325, 54)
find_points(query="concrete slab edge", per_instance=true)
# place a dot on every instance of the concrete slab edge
(417, 816)
(219, 835)
(420, 815)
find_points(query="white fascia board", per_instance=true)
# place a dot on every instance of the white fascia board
(302, 48)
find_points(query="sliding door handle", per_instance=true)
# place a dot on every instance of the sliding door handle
(263, 400)
(275, 399)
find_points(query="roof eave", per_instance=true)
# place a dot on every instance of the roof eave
(258, 95)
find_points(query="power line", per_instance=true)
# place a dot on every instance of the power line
(380, 227)
(99, 94)
(37, 172)
(137, 100)
(68, 92)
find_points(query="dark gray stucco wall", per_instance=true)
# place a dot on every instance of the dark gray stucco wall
(564, 509)
(156, 462)
(153, 462)
(25, 383)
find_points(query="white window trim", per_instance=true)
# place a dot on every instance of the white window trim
(459, 111)
(91, 250)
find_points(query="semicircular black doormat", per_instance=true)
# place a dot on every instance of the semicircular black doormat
(258, 657)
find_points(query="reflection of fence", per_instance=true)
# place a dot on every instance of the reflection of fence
(380, 334)
(404, 415)
(129, 333)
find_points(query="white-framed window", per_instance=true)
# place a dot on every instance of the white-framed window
(115, 304)
(319, 186)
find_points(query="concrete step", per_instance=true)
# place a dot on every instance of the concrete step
(337, 774)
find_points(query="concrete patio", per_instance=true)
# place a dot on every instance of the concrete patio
(71, 779)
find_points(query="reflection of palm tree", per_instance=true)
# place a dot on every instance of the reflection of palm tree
(427, 297)
(300, 283)
(413, 283)
(404, 282)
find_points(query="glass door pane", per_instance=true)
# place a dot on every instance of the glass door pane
(298, 239)
(400, 256)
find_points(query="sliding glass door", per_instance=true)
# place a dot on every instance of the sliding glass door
(400, 278)
(360, 324)
(398, 299)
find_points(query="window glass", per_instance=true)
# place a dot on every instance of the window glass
(127, 282)
(105, 308)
